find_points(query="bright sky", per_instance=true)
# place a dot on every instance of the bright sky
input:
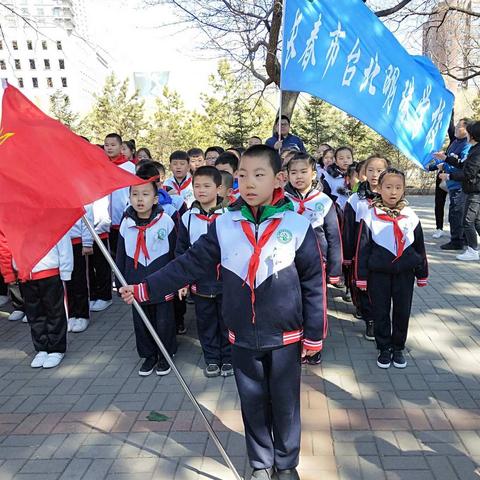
(129, 32)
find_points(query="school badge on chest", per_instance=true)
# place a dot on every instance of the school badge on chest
(284, 236)
(162, 234)
(319, 207)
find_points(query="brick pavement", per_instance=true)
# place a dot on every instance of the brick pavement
(87, 419)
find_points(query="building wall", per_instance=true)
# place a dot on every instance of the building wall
(60, 48)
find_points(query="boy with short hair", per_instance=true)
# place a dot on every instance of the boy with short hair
(226, 187)
(197, 159)
(146, 243)
(211, 154)
(274, 300)
(207, 291)
(228, 162)
(181, 181)
(119, 199)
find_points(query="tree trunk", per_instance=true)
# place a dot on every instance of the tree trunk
(289, 100)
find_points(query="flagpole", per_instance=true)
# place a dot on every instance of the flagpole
(162, 348)
(283, 3)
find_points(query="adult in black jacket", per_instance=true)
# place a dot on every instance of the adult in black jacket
(470, 178)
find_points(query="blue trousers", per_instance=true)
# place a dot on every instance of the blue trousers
(212, 332)
(268, 383)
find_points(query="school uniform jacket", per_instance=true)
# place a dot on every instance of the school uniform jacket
(319, 210)
(337, 187)
(272, 296)
(79, 233)
(195, 223)
(184, 189)
(120, 199)
(355, 208)
(388, 246)
(58, 261)
(145, 246)
(101, 216)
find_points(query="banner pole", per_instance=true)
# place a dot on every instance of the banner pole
(283, 4)
(162, 348)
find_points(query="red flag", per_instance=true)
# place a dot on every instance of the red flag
(47, 175)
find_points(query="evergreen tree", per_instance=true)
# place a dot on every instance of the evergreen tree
(319, 123)
(115, 110)
(60, 109)
(233, 114)
(174, 127)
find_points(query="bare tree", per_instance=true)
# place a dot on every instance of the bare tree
(249, 33)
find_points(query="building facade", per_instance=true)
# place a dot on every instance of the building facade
(46, 47)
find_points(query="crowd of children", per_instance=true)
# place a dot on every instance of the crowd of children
(253, 237)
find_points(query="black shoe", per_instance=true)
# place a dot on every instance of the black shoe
(226, 370)
(163, 368)
(399, 360)
(369, 330)
(262, 474)
(384, 359)
(452, 246)
(181, 330)
(340, 284)
(290, 474)
(147, 367)
(212, 370)
(358, 314)
(314, 359)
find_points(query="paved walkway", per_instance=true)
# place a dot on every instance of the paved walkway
(87, 419)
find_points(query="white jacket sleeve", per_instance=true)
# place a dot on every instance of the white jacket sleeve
(101, 214)
(87, 239)
(65, 258)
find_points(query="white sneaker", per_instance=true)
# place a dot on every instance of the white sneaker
(4, 299)
(468, 255)
(39, 360)
(101, 305)
(80, 325)
(438, 234)
(24, 319)
(92, 304)
(71, 323)
(16, 315)
(53, 360)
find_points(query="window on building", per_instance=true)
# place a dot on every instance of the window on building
(44, 44)
(20, 82)
(64, 82)
(1, 44)
(3, 65)
(49, 82)
(46, 63)
(40, 12)
(15, 45)
(35, 82)
(18, 66)
(29, 45)
(32, 64)
(61, 64)
(59, 45)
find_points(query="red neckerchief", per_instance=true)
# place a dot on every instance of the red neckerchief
(257, 250)
(119, 159)
(179, 188)
(397, 231)
(141, 242)
(235, 191)
(302, 202)
(207, 218)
